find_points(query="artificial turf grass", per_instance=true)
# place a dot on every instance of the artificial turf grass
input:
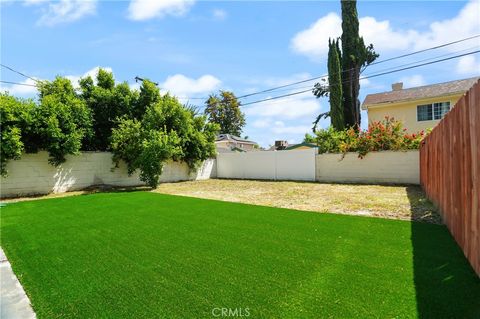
(145, 255)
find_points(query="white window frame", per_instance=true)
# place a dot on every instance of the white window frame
(432, 109)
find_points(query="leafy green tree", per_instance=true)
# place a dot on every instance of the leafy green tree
(16, 121)
(105, 79)
(127, 143)
(168, 130)
(225, 111)
(63, 120)
(309, 138)
(157, 148)
(107, 102)
(149, 95)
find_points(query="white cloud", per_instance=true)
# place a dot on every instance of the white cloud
(412, 81)
(34, 2)
(148, 9)
(286, 108)
(468, 65)
(66, 11)
(290, 107)
(261, 123)
(269, 82)
(281, 128)
(92, 73)
(384, 37)
(313, 42)
(219, 14)
(180, 85)
(135, 86)
(365, 83)
(465, 24)
(25, 88)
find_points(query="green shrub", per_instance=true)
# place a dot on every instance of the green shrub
(63, 120)
(17, 125)
(144, 129)
(330, 140)
(107, 102)
(157, 148)
(126, 143)
(168, 130)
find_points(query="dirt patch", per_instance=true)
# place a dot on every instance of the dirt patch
(397, 202)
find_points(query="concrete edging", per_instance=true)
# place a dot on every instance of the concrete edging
(14, 303)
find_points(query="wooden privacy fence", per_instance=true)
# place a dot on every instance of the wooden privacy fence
(450, 172)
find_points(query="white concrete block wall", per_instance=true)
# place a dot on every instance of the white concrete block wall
(33, 175)
(376, 167)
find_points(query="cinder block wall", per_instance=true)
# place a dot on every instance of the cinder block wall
(394, 167)
(33, 175)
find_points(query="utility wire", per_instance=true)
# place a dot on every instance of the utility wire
(302, 81)
(370, 76)
(391, 68)
(374, 63)
(18, 72)
(16, 83)
(297, 88)
(428, 49)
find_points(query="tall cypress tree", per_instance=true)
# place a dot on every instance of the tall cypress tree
(354, 57)
(335, 86)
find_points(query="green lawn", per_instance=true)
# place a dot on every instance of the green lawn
(147, 255)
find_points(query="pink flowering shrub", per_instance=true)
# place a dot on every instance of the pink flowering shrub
(386, 135)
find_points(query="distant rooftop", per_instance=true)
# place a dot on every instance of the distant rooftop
(421, 92)
(230, 137)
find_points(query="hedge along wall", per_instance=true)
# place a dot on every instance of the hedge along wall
(395, 167)
(33, 175)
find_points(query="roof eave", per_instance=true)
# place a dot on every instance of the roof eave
(366, 106)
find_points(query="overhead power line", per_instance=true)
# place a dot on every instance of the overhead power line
(18, 72)
(16, 83)
(370, 76)
(374, 63)
(298, 82)
(390, 68)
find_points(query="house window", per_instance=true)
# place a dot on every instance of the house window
(440, 109)
(424, 112)
(434, 111)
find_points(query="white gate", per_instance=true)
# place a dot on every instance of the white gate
(270, 165)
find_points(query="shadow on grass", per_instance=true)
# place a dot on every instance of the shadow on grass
(114, 189)
(445, 283)
(85, 191)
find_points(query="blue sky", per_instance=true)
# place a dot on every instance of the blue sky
(195, 48)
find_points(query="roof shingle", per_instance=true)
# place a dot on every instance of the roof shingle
(421, 92)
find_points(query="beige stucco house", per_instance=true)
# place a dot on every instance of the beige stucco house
(419, 108)
(234, 143)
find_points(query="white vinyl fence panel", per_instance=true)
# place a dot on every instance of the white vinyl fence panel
(268, 165)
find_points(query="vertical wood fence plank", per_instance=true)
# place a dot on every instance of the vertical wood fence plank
(450, 172)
